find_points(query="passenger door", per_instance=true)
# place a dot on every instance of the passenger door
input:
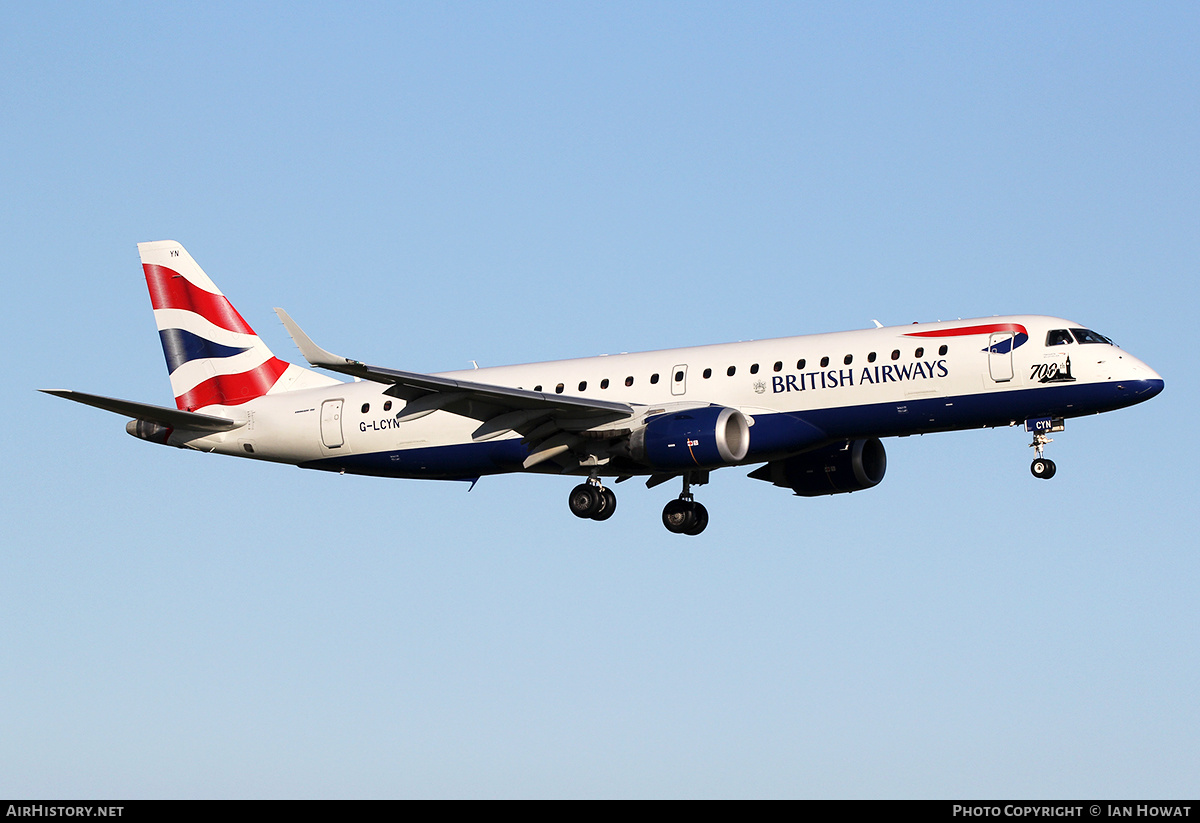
(331, 424)
(1000, 356)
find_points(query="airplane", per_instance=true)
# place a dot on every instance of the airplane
(810, 409)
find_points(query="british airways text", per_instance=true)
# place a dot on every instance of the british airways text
(835, 378)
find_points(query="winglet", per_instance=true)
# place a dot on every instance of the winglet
(313, 353)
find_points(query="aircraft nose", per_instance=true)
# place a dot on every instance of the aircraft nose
(1146, 389)
(1145, 382)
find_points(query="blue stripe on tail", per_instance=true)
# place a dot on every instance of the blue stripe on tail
(182, 346)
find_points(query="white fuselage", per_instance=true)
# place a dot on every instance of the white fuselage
(869, 383)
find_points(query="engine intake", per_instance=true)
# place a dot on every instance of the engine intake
(704, 437)
(847, 467)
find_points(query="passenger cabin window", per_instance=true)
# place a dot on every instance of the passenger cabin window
(824, 362)
(653, 379)
(848, 359)
(731, 370)
(387, 406)
(895, 354)
(707, 373)
(366, 408)
(943, 350)
(604, 383)
(778, 365)
(871, 357)
(537, 388)
(678, 377)
(1058, 337)
(919, 353)
(629, 380)
(559, 388)
(754, 368)
(800, 364)
(583, 385)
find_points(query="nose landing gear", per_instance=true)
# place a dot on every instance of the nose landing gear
(1042, 467)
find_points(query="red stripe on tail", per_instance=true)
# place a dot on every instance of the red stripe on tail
(171, 290)
(233, 389)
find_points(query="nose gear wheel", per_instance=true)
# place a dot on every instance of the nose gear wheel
(1042, 468)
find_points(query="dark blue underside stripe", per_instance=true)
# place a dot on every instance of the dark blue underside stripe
(778, 435)
(182, 346)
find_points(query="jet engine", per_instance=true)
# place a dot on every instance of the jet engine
(705, 437)
(845, 467)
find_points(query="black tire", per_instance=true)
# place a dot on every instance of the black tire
(1042, 468)
(699, 519)
(677, 516)
(585, 501)
(609, 507)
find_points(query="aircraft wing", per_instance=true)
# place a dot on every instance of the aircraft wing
(164, 416)
(547, 421)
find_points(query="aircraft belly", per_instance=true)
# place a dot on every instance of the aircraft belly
(778, 433)
(968, 411)
(774, 434)
(462, 461)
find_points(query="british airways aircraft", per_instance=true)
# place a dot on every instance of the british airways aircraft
(811, 410)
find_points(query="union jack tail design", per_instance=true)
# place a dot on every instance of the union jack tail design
(213, 356)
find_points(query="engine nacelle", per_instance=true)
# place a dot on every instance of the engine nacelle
(845, 467)
(705, 437)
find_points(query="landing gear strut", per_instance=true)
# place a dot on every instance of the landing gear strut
(592, 501)
(685, 515)
(1041, 467)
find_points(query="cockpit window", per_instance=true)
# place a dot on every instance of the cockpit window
(1058, 337)
(1089, 336)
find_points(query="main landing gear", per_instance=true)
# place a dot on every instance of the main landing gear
(592, 501)
(685, 515)
(1041, 467)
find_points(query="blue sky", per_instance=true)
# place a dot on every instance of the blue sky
(424, 185)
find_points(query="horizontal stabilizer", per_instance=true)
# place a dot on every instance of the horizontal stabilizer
(174, 418)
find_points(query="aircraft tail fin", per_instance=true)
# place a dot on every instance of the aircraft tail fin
(213, 356)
